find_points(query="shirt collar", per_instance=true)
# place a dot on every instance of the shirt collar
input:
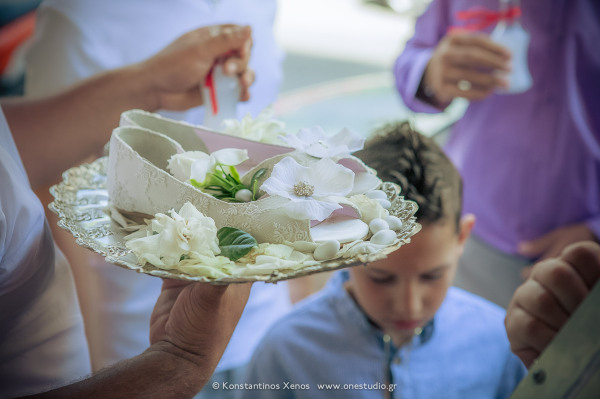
(346, 305)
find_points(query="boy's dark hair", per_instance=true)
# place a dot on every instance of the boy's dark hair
(417, 163)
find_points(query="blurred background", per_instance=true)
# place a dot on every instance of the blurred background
(338, 68)
(340, 55)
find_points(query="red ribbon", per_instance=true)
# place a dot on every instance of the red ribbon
(210, 84)
(480, 18)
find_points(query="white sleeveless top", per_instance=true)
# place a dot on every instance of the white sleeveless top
(42, 340)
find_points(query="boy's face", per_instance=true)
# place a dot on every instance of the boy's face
(404, 291)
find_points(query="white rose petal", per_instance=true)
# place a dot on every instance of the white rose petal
(315, 142)
(230, 156)
(180, 165)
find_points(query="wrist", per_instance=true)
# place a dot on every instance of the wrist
(186, 365)
(141, 91)
(426, 94)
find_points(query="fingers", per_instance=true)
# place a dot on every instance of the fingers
(525, 332)
(238, 65)
(246, 80)
(562, 281)
(585, 259)
(476, 50)
(525, 272)
(541, 304)
(476, 93)
(229, 38)
(246, 76)
(239, 61)
(468, 57)
(527, 355)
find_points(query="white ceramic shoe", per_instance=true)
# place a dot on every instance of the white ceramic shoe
(138, 182)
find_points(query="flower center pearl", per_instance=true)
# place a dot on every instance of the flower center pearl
(303, 189)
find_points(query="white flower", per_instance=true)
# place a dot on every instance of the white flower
(315, 142)
(197, 164)
(369, 208)
(263, 128)
(180, 165)
(360, 247)
(267, 258)
(309, 188)
(187, 234)
(208, 266)
(365, 182)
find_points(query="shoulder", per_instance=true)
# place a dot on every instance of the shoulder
(310, 328)
(314, 313)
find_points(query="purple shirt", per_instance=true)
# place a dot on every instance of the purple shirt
(530, 161)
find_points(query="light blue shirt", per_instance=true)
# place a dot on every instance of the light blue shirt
(463, 353)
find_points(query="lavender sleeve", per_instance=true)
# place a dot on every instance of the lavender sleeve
(410, 65)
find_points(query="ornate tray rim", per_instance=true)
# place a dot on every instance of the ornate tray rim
(81, 198)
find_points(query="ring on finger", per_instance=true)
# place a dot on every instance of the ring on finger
(464, 85)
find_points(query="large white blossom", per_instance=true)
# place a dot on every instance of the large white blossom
(168, 239)
(315, 142)
(262, 128)
(310, 188)
(197, 164)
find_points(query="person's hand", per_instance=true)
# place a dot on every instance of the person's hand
(552, 244)
(465, 64)
(176, 74)
(543, 304)
(195, 320)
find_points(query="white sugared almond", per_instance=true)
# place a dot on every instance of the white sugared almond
(378, 224)
(305, 246)
(327, 250)
(394, 222)
(385, 204)
(383, 237)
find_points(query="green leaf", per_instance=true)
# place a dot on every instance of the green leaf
(234, 174)
(235, 243)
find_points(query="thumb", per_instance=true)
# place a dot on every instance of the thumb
(534, 248)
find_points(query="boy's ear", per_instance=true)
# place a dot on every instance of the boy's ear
(466, 223)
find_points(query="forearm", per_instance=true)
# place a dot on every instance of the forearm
(163, 371)
(53, 133)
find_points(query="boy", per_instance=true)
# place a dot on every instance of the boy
(394, 328)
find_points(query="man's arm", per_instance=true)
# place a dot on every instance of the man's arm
(53, 133)
(190, 328)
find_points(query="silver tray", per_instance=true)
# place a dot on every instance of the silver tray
(80, 201)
